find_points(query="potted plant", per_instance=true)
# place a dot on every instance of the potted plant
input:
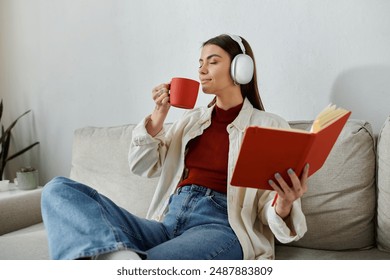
(5, 141)
(27, 178)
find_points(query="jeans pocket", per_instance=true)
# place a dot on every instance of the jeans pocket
(219, 203)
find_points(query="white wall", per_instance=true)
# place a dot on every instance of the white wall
(94, 62)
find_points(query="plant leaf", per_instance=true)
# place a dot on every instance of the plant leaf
(8, 131)
(5, 147)
(1, 109)
(2, 146)
(22, 151)
(4, 151)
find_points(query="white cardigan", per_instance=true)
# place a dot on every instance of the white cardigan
(250, 213)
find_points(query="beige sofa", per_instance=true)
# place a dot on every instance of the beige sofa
(347, 205)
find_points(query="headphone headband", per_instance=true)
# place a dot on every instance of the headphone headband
(239, 41)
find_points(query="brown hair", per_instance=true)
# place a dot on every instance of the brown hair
(249, 90)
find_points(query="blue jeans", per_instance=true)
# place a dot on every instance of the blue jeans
(81, 223)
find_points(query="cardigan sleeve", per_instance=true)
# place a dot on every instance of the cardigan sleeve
(291, 229)
(146, 154)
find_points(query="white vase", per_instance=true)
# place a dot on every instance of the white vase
(27, 180)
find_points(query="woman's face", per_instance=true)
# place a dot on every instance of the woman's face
(214, 70)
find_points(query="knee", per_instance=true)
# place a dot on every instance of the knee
(54, 188)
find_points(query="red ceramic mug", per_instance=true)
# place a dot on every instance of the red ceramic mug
(183, 92)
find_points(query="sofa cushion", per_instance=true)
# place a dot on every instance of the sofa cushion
(340, 202)
(29, 243)
(99, 159)
(383, 183)
(294, 253)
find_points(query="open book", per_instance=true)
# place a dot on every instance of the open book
(265, 150)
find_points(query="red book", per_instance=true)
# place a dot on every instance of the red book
(266, 151)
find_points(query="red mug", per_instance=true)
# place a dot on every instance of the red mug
(183, 92)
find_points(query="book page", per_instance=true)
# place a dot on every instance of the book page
(326, 117)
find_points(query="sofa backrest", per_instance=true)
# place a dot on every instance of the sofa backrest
(340, 202)
(383, 182)
(99, 159)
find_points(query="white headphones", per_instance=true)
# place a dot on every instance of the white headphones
(242, 67)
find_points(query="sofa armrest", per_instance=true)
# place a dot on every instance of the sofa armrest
(20, 210)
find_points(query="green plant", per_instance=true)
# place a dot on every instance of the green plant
(5, 141)
(27, 169)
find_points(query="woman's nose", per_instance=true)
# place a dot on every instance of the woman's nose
(202, 69)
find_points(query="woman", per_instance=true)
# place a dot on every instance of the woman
(195, 213)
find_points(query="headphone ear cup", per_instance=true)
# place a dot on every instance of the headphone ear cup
(242, 69)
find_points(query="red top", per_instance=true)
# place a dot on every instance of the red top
(207, 157)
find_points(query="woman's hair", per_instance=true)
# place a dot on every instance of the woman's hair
(249, 90)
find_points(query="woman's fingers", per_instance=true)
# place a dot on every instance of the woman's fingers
(160, 94)
(298, 185)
